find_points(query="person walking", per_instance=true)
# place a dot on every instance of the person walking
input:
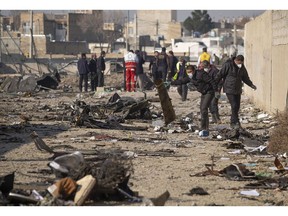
(93, 72)
(131, 61)
(233, 74)
(153, 67)
(101, 69)
(181, 73)
(139, 70)
(214, 110)
(208, 89)
(83, 70)
(163, 64)
(172, 64)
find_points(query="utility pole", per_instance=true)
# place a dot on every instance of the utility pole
(235, 36)
(31, 35)
(156, 33)
(157, 27)
(136, 31)
(235, 40)
(127, 31)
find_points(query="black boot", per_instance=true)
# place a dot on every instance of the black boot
(214, 118)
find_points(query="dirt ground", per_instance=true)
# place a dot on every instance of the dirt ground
(161, 160)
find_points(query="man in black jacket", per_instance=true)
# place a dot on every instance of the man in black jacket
(101, 68)
(207, 86)
(139, 69)
(82, 66)
(93, 72)
(172, 65)
(163, 64)
(153, 67)
(233, 73)
(212, 71)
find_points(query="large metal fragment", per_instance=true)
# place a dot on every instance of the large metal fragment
(165, 100)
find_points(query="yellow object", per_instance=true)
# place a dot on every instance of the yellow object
(205, 56)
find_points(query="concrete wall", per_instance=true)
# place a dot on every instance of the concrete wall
(266, 42)
(40, 43)
(38, 22)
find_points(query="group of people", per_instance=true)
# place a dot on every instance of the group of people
(209, 81)
(206, 78)
(95, 67)
(163, 65)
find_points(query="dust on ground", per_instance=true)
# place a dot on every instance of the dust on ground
(162, 161)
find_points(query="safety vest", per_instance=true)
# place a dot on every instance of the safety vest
(131, 60)
(179, 66)
(205, 56)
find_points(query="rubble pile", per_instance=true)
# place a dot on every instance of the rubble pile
(65, 148)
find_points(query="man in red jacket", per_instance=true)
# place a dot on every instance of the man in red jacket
(131, 61)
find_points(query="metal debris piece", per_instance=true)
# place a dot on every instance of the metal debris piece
(234, 145)
(21, 199)
(197, 191)
(71, 165)
(165, 100)
(238, 171)
(40, 144)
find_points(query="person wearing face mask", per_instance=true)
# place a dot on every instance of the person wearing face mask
(208, 88)
(233, 73)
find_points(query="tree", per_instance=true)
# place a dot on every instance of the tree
(200, 21)
(94, 25)
(243, 21)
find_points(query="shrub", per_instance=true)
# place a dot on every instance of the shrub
(278, 142)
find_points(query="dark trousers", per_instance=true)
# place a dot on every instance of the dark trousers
(156, 75)
(183, 91)
(100, 78)
(214, 106)
(94, 81)
(204, 105)
(83, 77)
(234, 100)
(163, 71)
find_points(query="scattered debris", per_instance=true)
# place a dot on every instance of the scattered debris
(250, 193)
(197, 191)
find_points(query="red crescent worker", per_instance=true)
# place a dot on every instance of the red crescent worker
(131, 61)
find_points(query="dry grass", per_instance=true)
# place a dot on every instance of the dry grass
(278, 143)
